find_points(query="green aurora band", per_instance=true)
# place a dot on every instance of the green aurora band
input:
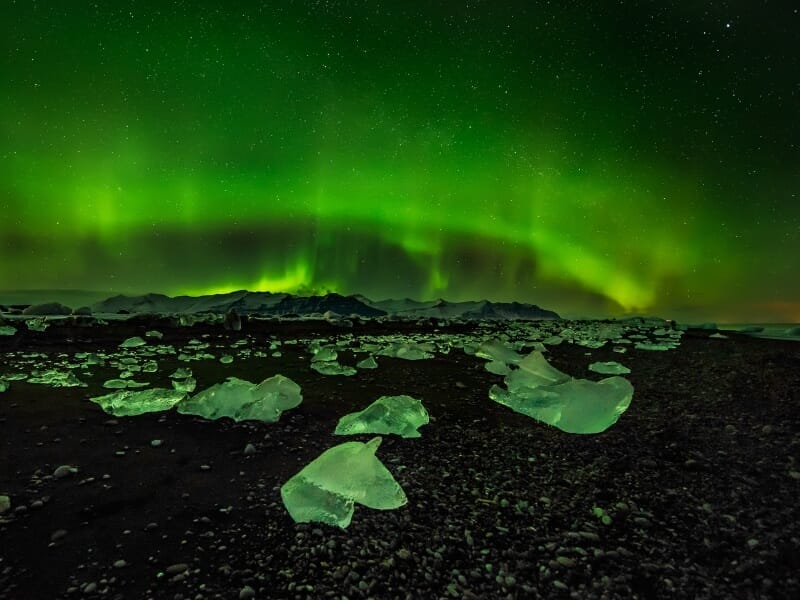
(368, 148)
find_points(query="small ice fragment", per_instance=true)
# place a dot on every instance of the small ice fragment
(325, 354)
(187, 385)
(332, 368)
(609, 368)
(116, 384)
(406, 351)
(181, 373)
(133, 342)
(367, 363)
(38, 324)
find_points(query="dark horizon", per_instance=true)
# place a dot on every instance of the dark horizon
(89, 297)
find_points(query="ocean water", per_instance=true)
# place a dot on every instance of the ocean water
(781, 331)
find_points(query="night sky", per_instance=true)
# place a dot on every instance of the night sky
(591, 157)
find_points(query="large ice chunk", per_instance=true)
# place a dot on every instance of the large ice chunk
(534, 370)
(497, 351)
(401, 415)
(543, 392)
(327, 489)
(576, 406)
(244, 401)
(55, 378)
(125, 403)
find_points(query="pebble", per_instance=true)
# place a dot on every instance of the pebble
(156, 443)
(90, 587)
(249, 449)
(176, 568)
(64, 471)
(119, 564)
(58, 534)
(247, 592)
(565, 561)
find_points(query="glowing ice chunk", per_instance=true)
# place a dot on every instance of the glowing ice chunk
(38, 324)
(332, 367)
(56, 378)
(187, 385)
(367, 363)
(497, 367)
(327, 489)
(133, 342)
(496, 351)
(543, 392)
(534, 370)
(609, 368)
(406, 351)
(654, 346)
(125, 403)
(325, 354)
(401, 415)
(121, 384)
(575, 406)
(244, 401)
(8, 330)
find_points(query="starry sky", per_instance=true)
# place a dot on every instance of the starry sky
(596, 158)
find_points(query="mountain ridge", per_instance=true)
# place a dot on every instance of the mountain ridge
(281, 304)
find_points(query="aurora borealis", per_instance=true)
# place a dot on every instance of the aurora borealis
(593, 159)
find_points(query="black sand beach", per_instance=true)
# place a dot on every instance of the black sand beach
(699, 480)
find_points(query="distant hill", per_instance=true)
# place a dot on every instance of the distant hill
(72, 298)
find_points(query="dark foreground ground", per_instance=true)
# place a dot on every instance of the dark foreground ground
(700, 479)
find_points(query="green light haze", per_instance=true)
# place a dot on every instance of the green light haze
(593, 160)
